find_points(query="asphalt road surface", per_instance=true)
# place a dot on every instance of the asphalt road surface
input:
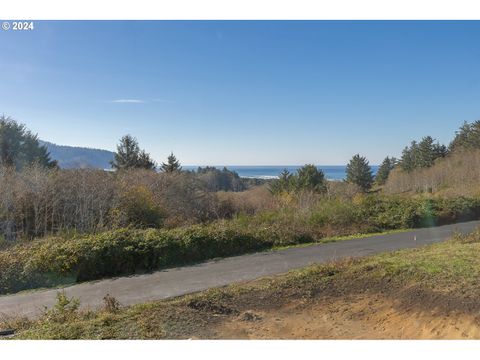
(173, 282)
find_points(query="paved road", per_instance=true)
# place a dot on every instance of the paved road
(179, 281)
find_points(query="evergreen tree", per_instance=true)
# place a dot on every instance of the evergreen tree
(19, 147)
(284, 183)
(406, 161)
(171, 165)
(422, 154)
(467, 137)
(129, 155)
(359, 172)
(426, 153)
(145, 162)
(440, 150)
(409, 159)
(285, 178)
(384, 170)
(310, 178)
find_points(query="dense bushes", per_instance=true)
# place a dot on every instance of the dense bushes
(56, 260)
(367, 213)
(401, 212)
(37, 202)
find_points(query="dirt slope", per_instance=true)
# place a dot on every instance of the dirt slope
(356, 317)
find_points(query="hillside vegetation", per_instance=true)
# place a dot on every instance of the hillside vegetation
(455, 175)
(428, 167)
(61, 260)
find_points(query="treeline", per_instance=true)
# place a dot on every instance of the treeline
(426, 152)
(400, 175)
(418, 155)
(309, 178)
(422, 154)
(130, 156)
(20, 148)
(427, 166)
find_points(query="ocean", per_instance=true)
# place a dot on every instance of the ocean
(332, 172)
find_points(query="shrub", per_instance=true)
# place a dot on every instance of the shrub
(65, 309)
(137, 208)
(335, 212)
(110, 304)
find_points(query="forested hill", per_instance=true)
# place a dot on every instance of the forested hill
(69, 157)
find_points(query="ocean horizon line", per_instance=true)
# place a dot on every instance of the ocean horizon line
(276, 166)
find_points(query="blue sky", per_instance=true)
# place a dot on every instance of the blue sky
(244, 93)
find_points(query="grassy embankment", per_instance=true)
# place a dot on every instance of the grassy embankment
(441, 276)
(60, 260)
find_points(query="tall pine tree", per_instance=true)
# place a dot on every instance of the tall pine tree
(384, 170)
(310, 178)
(129, 156)
(359, 172)
(172, 164)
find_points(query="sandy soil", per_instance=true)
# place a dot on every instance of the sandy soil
(354, 317)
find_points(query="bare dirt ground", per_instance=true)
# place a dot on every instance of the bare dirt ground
(355, 317)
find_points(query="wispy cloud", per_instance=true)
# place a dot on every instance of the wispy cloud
(128, 101)
(138, 101)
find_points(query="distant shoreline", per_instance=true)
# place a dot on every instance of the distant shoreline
(270, 172)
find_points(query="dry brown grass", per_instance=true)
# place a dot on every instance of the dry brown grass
(248, 202)
(456, 175)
